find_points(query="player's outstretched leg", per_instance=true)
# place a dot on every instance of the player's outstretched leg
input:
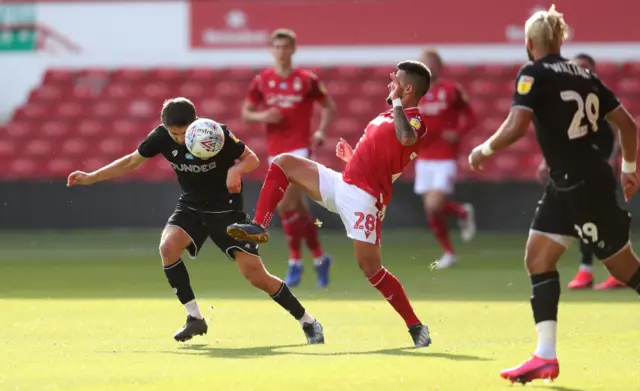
(541, 257)
(625, 266)
(370, 262)
(284, 169)
(174, 241)
(253, 270)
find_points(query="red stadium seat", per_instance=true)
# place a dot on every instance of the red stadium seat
(192, 90)
(201, 75)
(212, 108)
(119, 90)
(74, 146)
(629, 85)
(167, 74)
(59, 76)
(115, 146)
(24, 168)
(8, 148)
(69, 110)
(60, 167)
(142, 109)
(131, 75)
(54, 129)
(89, 128)
(18, 129)
(45, 93)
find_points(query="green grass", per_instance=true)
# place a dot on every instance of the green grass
(92, 311)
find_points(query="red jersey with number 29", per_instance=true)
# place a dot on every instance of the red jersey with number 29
(379, 158)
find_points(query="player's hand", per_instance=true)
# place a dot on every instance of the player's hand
(450, 136)
(630, 184)
(234, 180)
(271, 116)
(543, 173)
(80, 178)
(477, 159)
(317, 140)
(395, 89)
(344, 151)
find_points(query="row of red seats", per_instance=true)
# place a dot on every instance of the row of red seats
(459, 71)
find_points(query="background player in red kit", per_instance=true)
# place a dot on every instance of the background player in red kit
(360, 194)
(283, 98)
(448, 116)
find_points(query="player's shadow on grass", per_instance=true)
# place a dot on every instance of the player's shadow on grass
(556, 388)
(260, 351)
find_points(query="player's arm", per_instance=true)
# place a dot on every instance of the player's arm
(328, 113)
(405, 132)
(251, 113)
(247, 161)
(627, 134)
(467, 116)
(525, 98)
(116, 168)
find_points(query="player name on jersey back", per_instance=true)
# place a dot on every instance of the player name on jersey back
(568, 104)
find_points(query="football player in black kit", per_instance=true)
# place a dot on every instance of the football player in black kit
(605, 140)
(565, 103)
(211, 199)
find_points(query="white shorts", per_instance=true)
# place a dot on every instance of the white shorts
(435, 175)
(358, 209)
(301, 152)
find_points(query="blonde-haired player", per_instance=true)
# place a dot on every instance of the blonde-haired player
(580, 200)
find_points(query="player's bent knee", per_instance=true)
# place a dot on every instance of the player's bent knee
(542, 253)
(170, 251)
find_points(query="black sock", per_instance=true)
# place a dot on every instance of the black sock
(587, 255)
(178, 277)
(634, 282)
(545, 297)
(288, 301)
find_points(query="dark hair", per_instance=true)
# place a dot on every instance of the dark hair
(418, 75)
(284, 34)
(587, 58)
(178, 112)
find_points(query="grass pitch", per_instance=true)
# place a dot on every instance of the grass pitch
(92, 311)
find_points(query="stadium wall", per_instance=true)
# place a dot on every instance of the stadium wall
(232, 33)
(51, 205)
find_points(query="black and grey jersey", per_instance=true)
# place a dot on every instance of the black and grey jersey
(203, 182)
(569, 105)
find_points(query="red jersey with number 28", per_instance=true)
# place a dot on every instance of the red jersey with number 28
(294, 96)
(379, 158)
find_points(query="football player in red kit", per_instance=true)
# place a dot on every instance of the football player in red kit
(283, 99)
(360, 194)
(448, 116)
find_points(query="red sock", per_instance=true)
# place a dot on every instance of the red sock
(310, 233)
(290, 222)
(440, 230)
(392, 290)
(454, 209)
(275, 184)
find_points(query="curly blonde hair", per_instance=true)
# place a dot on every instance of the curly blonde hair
(547, 29)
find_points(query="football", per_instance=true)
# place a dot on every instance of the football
(204, 138)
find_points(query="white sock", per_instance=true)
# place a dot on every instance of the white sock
(193, 309)
(586, 268)
(319, 260)
(306, 318)
(295, 261)
(546, 339)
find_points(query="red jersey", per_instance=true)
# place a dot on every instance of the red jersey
(379, 158)
(294, 96)
(443, 107)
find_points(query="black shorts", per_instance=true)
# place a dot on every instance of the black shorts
(588, 210)
(202, 224)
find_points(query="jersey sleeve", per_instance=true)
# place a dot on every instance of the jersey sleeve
(417, 123)
(608, 100)
(462, 98)
(528, 88)
(152, 144)
(318, 91)
(254, 96)
(233, 145)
